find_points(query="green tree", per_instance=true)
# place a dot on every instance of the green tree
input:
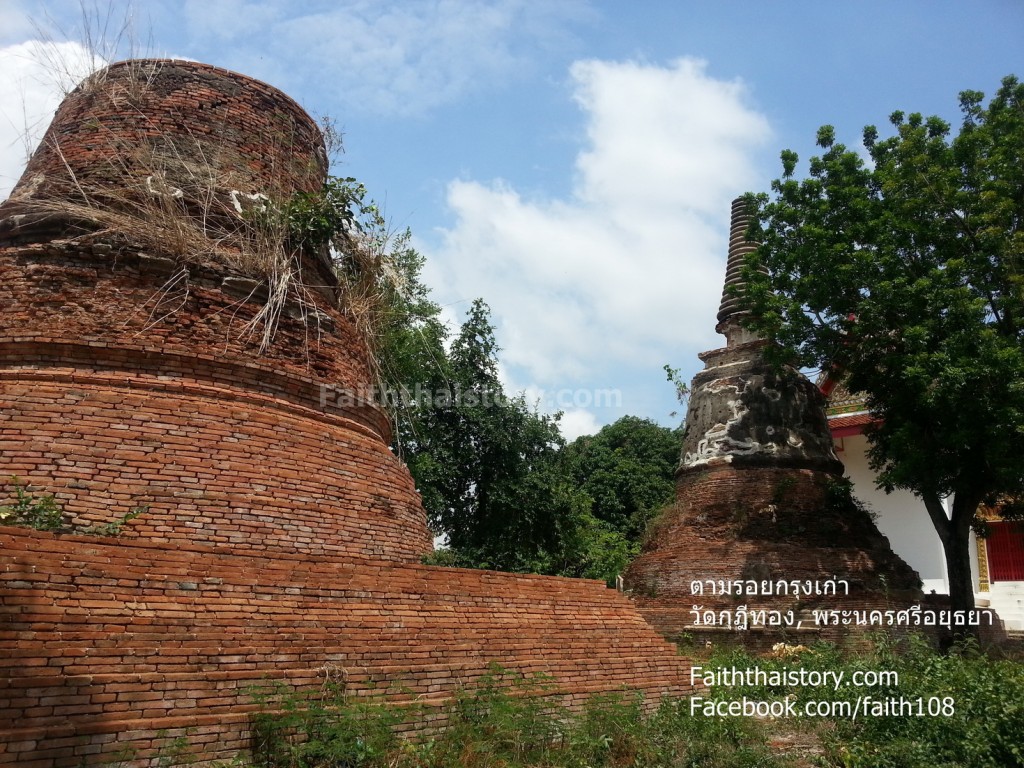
(409, 347)
(903, 275)
(627, 469)
(623, 476)
(496, 477)
(486, 464)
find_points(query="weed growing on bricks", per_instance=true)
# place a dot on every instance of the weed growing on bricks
(31, 511)
(507, 719)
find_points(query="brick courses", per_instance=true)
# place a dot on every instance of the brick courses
(97, 294)
(125, 637)
(764, 524)
(111, 409)
(280, 536)
(761, 523)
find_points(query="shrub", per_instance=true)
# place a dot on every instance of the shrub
(507, 720)
(983, 730)
(42, 513)
(977, 705)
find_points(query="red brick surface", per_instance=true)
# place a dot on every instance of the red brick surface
(209, 462)
(110, 641)
(95, 293)
(111, 406)
(280, 535)
(763, 524)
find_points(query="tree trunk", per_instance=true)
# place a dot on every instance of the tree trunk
(955, 535)
(958, 567)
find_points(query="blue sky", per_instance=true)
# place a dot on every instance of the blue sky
(570, 162)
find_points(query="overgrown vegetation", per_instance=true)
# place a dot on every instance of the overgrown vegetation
(31, 511)
(958, 709)
(497, 478)
(113, 528)
(509, 720)
(43, 512)
(180, 195)
(168, 198)
(506, 721)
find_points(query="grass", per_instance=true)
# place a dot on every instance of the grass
(132, 200)
(512, 721)
(963, 709)
(498, 725)
(501, 725)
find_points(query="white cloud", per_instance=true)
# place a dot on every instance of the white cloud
(629, 269)
(390, 58)
(33, 79)
(578, 422)
(663, 137)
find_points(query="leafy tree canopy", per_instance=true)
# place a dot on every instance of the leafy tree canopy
(485, 463)
(627, 470)
(903, 273)
(496, 477)
(497, 480)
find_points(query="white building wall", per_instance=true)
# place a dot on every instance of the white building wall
(902, 517)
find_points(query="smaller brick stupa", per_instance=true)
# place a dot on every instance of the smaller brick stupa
(762, 516)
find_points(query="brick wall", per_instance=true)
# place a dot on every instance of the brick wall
(280, 535)
(209, 463)
(770, 524)
(93, 292)
(112, 405)
(105, 642)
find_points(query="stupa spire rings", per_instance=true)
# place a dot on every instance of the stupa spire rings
(731, 310)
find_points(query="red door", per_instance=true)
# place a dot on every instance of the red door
(1006, 551)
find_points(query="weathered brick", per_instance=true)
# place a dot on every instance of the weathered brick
(281, 538)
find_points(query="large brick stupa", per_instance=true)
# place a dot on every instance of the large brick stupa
(192, 389)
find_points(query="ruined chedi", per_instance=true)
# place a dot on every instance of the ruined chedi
(141, 269)
(756, 489)
(232, 513)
